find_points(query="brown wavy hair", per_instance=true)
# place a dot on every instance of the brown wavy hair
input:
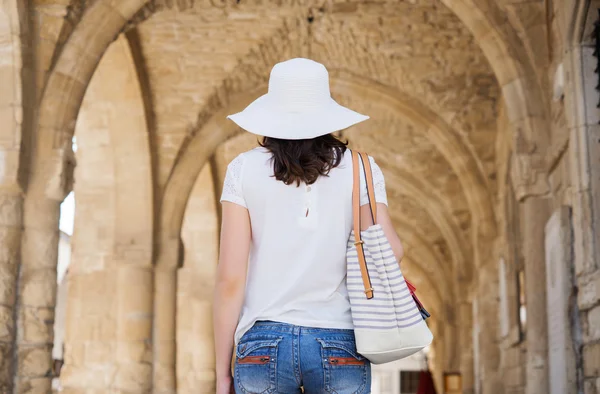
(296, 161)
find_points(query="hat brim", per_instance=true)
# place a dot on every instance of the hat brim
(263, 118)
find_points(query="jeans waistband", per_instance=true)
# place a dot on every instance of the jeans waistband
(287, 327)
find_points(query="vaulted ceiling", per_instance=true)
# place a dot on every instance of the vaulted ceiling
(411, 65)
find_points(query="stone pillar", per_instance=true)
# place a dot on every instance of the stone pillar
(17, 102)
(487, 337)
(535, 213)
(37, 296)
(195, 349)
(133, 357)
(165, 313)
(195, 286)
(530, 182)
(466, 346)
(108, 328)
(438, 361)
(10, 243)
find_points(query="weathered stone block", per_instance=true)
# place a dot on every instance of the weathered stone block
(7, 114)
(100, 352)
(38, 385)
(8, 270)
(133, 351)
(34, 362)
(7, 324)
(38, 324)
(74, 352)
(51, 26)
(7, 94)
(590, 387)
(87, 378)
(591, 360)
(593, 324)
(11, 206)
(512, 357)
(5, 363)
(514, 377)
(589, 290)
(133, 378)
(39, 288)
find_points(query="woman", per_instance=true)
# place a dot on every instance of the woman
(281, 302)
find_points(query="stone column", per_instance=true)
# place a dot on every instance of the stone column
(109, 327)
(466, 346)
(37, 296)
(195, 339)
(133, 356)
(535, 213)
(438, 359)
(487, 311)
(165, 313)
(530, 182)
(11, 207)
(17, 102)
(195, 286)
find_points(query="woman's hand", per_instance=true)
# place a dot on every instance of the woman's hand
(225, 386)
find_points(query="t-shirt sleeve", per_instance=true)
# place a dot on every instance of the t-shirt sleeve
(378, 185)
(232, 186)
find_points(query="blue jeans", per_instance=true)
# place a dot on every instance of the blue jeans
(281, 358)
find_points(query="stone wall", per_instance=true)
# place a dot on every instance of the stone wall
(582, 118)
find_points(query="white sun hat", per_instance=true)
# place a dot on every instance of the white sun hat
(298, 104)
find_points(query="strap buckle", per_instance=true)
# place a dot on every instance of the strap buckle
(360, 242)
(368, 290)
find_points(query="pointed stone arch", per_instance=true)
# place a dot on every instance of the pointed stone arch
(445, 138)
(112, 246)
(442, 219)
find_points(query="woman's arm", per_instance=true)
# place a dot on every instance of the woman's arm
(383, 218)
(230, 284)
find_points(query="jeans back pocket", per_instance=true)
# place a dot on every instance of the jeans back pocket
(346, 371)
(256, 364)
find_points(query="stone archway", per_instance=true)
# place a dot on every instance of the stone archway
(446, 139)
(195, 155)
(109, 305)
(63, 96)
(49, 176)
(214, 132)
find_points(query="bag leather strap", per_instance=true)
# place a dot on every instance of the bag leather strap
(356, 157)
(370, 188)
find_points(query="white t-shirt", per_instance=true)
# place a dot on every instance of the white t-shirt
(297, 262)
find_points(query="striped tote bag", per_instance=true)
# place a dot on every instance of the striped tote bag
(389, 320)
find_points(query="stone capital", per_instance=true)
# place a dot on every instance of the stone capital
(528, 175)
(58, 171)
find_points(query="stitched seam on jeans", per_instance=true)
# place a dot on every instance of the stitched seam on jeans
(299, 358)
(296, 358)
